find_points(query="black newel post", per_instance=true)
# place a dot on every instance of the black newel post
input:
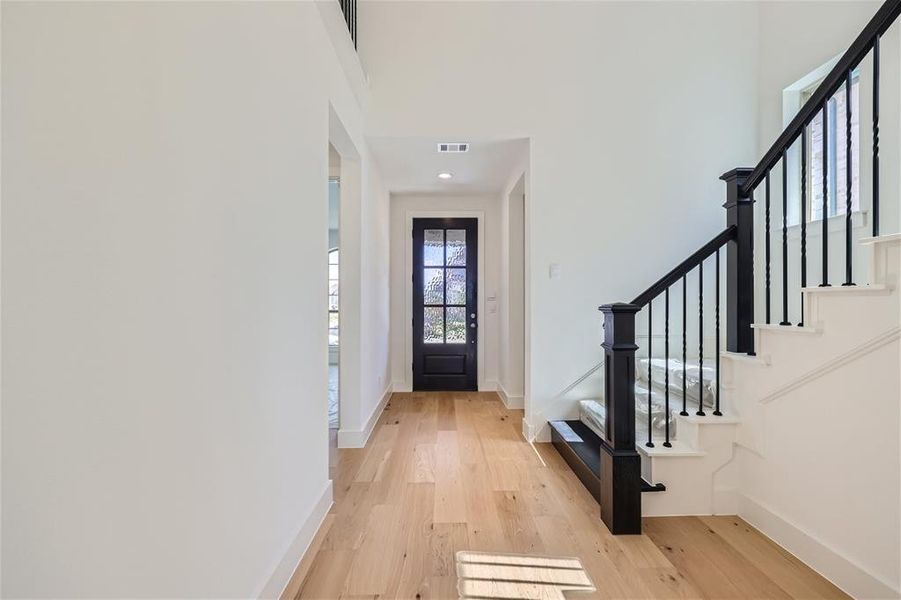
(620, 463)
(739, 263)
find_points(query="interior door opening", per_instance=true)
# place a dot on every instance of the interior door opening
(334, 302)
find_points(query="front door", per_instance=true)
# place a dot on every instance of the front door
(444, 304)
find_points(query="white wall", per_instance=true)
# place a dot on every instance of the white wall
(164, 268)
(375, 302)
(487, 209)
(511, 301)
(632, 115)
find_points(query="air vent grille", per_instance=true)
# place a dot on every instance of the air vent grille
(453, 147)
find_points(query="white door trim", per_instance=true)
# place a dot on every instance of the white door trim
(479, 215)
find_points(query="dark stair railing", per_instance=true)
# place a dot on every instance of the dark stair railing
(621, 484)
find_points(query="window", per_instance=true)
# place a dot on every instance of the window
(333, 297)
(836, 148)
(444, 286)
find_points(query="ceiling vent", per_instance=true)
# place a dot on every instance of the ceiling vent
(453, 147)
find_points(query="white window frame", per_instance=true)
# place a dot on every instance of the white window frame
(793, 98)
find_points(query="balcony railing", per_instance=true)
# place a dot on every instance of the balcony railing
(349, 8)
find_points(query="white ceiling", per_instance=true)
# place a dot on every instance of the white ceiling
(411, 165)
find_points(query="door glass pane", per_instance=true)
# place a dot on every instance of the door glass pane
(433, 286)
(456, 325)
(456, 247)
(433, 248)
(433, 325)
(456, 286)
(333, 329)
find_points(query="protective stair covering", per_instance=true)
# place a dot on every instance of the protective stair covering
(594, 414)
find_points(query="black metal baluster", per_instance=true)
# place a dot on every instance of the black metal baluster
(666, 442)
(767, 228)
(784, 240)
(876, 136)
(717, 327)
(700, 412)
(849, 279)
(684, 411)
(650, 442)
(349, 10)
(803, 219)
(825, 215)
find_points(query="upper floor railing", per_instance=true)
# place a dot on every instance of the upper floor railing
(349, 8)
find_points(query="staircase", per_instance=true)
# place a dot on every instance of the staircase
(702, 313)
(836, 342)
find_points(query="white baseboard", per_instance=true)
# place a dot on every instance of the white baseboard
(539, 434)
(283, 571)
(356, 438)
(511, 402)
(401, 386)
(828, 562)
(489, 385)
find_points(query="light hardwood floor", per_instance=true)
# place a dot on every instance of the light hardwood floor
(450, 471)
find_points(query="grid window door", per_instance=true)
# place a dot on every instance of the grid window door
(445, 326)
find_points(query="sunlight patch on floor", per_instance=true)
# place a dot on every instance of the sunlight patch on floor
(519, 576)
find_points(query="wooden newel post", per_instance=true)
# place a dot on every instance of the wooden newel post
(739, 263)
(620, 463)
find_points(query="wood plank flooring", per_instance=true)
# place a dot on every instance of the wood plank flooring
(445, 472)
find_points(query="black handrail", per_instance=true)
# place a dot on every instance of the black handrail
(880, 22)
(685, 266)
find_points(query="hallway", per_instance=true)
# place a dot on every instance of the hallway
(445, 472)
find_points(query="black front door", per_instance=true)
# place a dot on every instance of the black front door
(444, 304)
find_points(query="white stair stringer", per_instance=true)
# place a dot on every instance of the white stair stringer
(818, 436)
(700, 471)
(693, 470)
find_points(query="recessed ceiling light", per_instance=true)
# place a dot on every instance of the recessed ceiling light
(445, 175)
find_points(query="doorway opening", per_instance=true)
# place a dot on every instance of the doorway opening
(334, 301)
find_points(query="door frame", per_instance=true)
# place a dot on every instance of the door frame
(479, 216)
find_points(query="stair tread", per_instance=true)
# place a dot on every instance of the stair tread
(679, 449)
(882, 239)
(848, 289)
(711, 419)
(787, 328)
(759, 359)
(583, 441)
